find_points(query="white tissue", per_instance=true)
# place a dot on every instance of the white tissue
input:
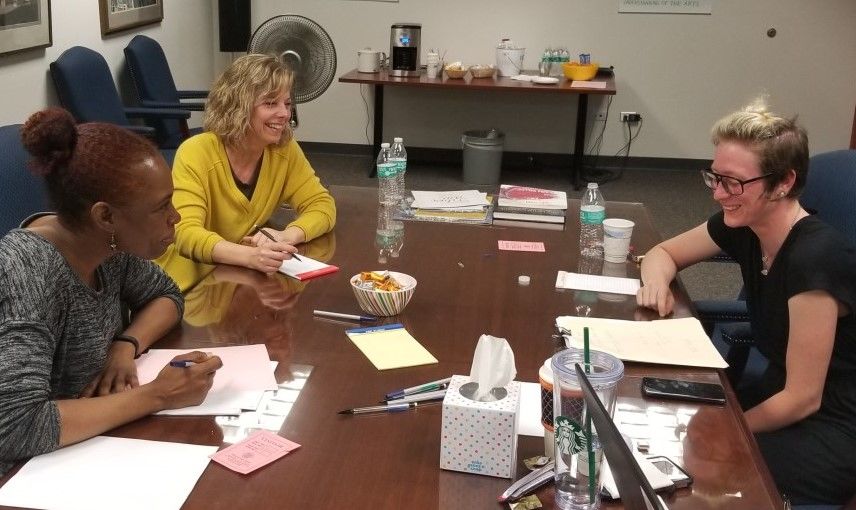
(493, 365)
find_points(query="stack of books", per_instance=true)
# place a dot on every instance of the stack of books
(526, 204)
(462, 206)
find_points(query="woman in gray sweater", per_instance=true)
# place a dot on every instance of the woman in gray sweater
(67, 368)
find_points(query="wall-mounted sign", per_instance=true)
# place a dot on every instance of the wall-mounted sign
(665, 6)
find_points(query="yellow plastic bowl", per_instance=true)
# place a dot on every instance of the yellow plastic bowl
(579, 72)
(385, 303)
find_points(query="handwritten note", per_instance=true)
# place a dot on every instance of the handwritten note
(259, 449)
(522, 246)
(680, 342)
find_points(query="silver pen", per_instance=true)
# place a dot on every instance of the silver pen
(389, 408)
(528, 483)
(420, 397)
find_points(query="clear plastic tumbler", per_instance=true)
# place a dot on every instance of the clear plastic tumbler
(578, 450)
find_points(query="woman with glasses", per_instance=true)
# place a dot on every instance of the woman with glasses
(800, 279)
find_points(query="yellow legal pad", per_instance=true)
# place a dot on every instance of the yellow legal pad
(390, 346)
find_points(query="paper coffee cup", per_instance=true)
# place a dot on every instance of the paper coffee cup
(545, 377)
(616, 239)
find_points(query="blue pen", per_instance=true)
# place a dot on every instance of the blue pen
(181, 364)
(389, 408)
(372, 329)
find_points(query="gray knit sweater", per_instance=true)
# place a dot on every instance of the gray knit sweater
(55, 332)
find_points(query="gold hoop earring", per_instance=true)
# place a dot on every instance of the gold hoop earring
(113, 244)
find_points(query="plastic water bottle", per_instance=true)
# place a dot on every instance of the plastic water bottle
(386, 169)
(398, 154)
(592, 213)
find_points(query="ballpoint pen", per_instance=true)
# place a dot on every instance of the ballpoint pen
(388, 408)
(181, 364)
(322, 313)
(528, 483)
(420, 397)
(272, 238)
(433, 385)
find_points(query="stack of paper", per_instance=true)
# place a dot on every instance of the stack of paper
(523, 203)
(240, 384)
(463, 206)
(390, 346)
(305, 268)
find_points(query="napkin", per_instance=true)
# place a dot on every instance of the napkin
(493, 365)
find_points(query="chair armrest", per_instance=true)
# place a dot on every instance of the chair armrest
(192, 94)
(737, 333)
(162, 113)
(148, 132)
(709, 310)
(196, 107)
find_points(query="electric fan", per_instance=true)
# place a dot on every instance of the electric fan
(305, 48)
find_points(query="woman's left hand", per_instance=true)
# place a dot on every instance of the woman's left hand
(119, 374)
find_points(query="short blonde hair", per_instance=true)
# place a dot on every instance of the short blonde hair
(780, 143)
(235, 92)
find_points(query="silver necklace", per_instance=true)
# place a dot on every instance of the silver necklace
(765, 259)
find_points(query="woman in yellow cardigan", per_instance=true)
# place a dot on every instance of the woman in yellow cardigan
(238, 172)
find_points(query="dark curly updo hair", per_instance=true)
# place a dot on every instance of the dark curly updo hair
(84, 164)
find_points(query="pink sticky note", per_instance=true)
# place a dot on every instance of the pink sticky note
(521, 246)
(257, 450)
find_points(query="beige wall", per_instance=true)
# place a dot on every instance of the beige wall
(185, 33)
(681, 72)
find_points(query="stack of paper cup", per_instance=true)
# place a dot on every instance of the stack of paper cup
(545, 377)
(616, 239)
(432, 67)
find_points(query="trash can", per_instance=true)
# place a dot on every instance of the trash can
(482, 155)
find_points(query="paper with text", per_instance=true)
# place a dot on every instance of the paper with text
(305, 268)
(522, 246)
(597, 283)
(391, 348)
(259, 449)
(105, 473)
(680, 342)
(577, 84)
(460, 200)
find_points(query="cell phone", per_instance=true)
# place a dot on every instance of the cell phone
(709, 393)
(676, 473)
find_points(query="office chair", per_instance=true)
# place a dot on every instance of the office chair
(85, 88)
(22, 193)
(156, 88)
(829, 192)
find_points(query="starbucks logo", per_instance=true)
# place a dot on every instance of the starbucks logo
(570, 436)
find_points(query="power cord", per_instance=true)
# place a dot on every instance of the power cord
(602, 176)
(366, 102)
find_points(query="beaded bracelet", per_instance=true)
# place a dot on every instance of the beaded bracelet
(131, 340)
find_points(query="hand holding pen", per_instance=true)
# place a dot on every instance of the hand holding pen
(270, 236)
(182, 387)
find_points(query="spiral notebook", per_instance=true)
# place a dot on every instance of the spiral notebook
(305, 268)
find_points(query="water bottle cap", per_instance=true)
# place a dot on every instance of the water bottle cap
(384, 145)
(398, 139)
(592, 185)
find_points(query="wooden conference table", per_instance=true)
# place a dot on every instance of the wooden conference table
(466, 287)
(383, 79)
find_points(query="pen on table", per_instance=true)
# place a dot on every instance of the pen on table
(420, 397)
(272, 238)
(389, 408)
(417, 389)
(366, 318)
(528, 483)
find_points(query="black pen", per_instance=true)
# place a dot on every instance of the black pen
(389, 408)
(272, 238)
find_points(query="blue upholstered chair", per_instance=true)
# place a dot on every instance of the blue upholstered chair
(149, 70)
(21, 192)
(85, 88)
(829, 191)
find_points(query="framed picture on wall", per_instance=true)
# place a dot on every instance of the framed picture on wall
(118, 15)
(24, 25)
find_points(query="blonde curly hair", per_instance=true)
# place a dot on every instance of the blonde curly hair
(780, 143)
(235, 92)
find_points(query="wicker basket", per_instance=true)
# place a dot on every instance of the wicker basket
(482, 71)
(456, 72)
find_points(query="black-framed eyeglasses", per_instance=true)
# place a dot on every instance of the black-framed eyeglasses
(731, 185)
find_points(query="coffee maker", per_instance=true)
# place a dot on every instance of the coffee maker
(404, 41)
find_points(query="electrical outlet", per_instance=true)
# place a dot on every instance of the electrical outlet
(630, 117)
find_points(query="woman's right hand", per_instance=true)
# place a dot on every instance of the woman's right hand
(267, 258)
(183, 387)
(656, 296)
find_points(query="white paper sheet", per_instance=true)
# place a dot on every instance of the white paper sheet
(460, 200)
(597, 283)
(108, 473)
(245, 375)
(680, 342)
(656, 477)
(529, 417)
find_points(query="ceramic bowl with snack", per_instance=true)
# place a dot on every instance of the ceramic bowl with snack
(383, 293)
(579, 72)
(456, 70)
(482, 71)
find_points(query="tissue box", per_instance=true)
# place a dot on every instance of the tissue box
(479, 437)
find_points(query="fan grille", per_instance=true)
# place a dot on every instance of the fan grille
(304, 46)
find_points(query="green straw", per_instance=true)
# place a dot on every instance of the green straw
(591, 473)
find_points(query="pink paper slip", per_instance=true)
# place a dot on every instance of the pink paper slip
(259, 449)
(521, 246)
